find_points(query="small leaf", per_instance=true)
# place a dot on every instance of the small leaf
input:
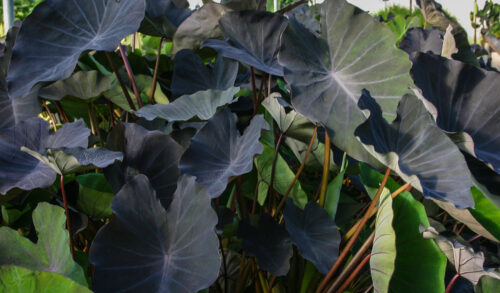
(51, 252)
(149, 249)
(269, 243)
(314, 232)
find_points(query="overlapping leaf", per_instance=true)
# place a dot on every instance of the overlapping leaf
(202, 104)
(422, 40)
(149, 249)
(151, 153)
(21, 170)
(466, 101)
(54, 35)
(253, 38)
(269, 243)
(191, 75)
(218, 151)
(314, 232)
(163, 17)
(327, 76)
(414, 145)
(51, 252)
(94, 195)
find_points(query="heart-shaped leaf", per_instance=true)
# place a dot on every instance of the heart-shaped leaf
(327, 76)
(466, 101)
(151, 153)
(19, 279)
(253, 38)
(149, 249)
(202, 104)
(269, 243)
(218, 151)
(51, 252)
(314, 232)
(21, 170)
(192, 75)
(54, 35)
(414, 145)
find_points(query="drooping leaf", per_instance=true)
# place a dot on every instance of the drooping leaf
(203, 24)
(151, 153)
(468, 263)
(414, 145)
(327, 76)
(14, 111)
(21, 170)
(253, 38)
(269, 243)
(71, 160)
(383, 255)
(83, 85)
(420, 266)
(163, 17)
(466, 101)
(94, 195)
(149, 249)
(422, 40)
(202, 104)
(54, 35)
(191, 75)
(19, 279)
(283, 178)
(218, 151)
(314, 232)
(486, 213)
(50, 253)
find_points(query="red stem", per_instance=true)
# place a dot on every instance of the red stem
(354, 273)
(452, 282)
(66, 211)
(130, 75)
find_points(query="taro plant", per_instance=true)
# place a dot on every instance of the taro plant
(305, 150)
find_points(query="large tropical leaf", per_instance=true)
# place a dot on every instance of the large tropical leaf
(21, 170)
(163, 17)
(414, 145)
(422, 40)
(54, 35)
(202, 104)
(151, 153)
(383, 255)
(420, 266)
(314, 232)
(327, 76)
(149, 249)
(50, 253)
(253, 38)
(269, 243)
(83, 85)
(19, 279)
(191, 75)
(466, 99)
(218, 151)
(203, 24)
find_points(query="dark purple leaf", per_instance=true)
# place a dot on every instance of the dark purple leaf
(422, 40)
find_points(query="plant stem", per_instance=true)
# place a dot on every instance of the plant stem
(224, 264)
(354, 273)
(275, 159)
(120, 81)
(374, 211)
(452, 282)
(128, 68)
(326, 170)
(254, 91)
(93, 123)
(155, 74)
(301, 168)
(51, 116)
(269, 78)
(63, 115)
(66, 211)
(357, 257)
(349, 245)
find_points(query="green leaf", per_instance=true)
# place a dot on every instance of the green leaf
(487, 285)
(51, 252)
(486, 213)
(371, 178)
(333, 190)
(382, 261)
(420, 266)
(282, 180)
(19, 279)
(95, 195)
